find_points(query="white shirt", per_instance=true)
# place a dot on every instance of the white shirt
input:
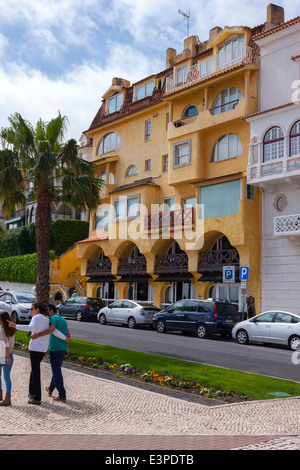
(38, 324)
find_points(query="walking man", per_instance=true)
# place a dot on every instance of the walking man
(57, 351)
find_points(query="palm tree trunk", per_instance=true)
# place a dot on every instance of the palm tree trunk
(43, 224)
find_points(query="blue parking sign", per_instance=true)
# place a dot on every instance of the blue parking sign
(228, 274)
(244, 273)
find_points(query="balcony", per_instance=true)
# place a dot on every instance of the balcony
(171, 263)
(287, 225)
(204, 69)
(138, 266)
(210, 261)
(99, 267)
(273, 171)
(164, 220)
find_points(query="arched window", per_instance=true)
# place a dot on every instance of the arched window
(132, 170)
(109, 143)
(190, 111)
(273, 144)
(227, 99)
(111, 179)
(295, 139)
(229, 146)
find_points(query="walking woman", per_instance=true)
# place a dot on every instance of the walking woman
(37, 347)
(7, 342)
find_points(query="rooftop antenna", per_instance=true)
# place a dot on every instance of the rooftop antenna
(186, 16)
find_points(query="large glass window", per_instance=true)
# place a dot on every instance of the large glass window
(220, 199)
(229, 146)
(181, 74)
(273, 144)
(231, 53)
(295, 139)
(109, 143)
(144, 90)
(227, 99)
(115, 102)
(127, 207)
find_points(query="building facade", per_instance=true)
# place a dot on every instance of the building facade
(173, 152)
(274, 164)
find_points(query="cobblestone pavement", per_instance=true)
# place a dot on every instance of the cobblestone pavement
(103, 414)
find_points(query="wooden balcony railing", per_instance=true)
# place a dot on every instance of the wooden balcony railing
(98, 267)
(177, 263)
(139, 265)
(162, 219)
(215, 260)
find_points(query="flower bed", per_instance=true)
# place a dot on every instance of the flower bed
(160, 379)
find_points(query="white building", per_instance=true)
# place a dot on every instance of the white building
(274, 164)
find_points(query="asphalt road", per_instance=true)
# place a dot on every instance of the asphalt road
(274, 361)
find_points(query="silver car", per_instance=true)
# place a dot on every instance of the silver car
(270, 327)
(17, 305)
(128, 312)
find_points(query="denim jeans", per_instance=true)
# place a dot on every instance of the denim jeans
(6, 375)
(57, 381)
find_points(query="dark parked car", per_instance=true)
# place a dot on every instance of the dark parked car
(204, 317)
(81, 308)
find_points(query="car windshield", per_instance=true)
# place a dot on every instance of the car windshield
(147, 305)
(25, 298)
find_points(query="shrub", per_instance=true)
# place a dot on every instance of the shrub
(20, 268)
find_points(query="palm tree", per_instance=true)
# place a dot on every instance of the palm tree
(37, 160)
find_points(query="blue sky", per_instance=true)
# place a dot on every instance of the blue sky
(62, 54)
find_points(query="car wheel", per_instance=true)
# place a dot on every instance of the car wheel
(201, 331)
(242, 337)
(78, 315)
(160, 326)
(102, 319)
(294, 342)
(131, 322)
(14, 317)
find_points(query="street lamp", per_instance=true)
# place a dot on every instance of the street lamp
(130, 260)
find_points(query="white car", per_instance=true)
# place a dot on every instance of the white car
(17, 305)
(270, 327)
(128, 312)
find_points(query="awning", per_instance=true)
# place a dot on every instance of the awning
(135, 278)
(211, 277)
(107, 278)
(173, 277)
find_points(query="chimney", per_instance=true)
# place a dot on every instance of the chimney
(171, 57)
(275, 14)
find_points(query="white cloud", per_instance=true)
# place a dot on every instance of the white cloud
(123, 38)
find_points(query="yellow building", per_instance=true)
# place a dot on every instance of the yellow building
(173, 151)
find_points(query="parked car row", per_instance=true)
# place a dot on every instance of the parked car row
(203, 317)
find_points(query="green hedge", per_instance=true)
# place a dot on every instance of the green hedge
(20, 268)
(64, 233)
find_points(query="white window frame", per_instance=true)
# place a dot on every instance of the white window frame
(144, 90)
(124, 203)
(114, 103)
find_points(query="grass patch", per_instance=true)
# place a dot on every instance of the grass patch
(174, 372)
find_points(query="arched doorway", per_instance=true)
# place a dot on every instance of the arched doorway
(133, 269)
(172, 267)
(210, 265)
